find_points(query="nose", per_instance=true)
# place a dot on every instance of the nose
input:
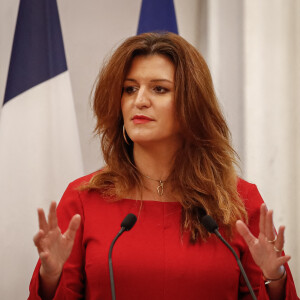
(142, 99)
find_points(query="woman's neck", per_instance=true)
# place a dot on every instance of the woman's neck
(155, 162)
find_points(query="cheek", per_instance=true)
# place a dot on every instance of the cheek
(170, 114)
(172, 119)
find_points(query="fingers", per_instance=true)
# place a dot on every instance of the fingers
(283, 259)
(49, 231)
(52, 219)
(38, 241)
(266, 225)
(278, 266)
(279, 243)
(245, 233)
(270, 234)
(269, 226)
(43, 225)
(73, 226)
(37, 238)
(263, 211)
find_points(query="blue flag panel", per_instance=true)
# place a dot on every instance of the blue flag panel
(38, 50)
(157, 15)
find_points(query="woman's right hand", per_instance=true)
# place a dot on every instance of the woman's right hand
(53, 247)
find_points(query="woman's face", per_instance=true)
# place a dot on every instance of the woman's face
(147, 102)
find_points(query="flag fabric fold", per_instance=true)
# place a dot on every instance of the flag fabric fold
(39, 141)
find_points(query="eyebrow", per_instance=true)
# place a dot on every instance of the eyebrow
(153, 80)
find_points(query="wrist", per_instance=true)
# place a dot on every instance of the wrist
(49, 276)
(48, 283)
(270, 279)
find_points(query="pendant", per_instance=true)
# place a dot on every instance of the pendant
(160, 188)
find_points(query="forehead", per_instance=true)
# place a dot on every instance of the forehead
(155, 65)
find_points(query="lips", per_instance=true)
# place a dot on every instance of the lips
(141, 119)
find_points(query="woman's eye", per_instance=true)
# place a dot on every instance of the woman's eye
(160, 90)
(129, 89)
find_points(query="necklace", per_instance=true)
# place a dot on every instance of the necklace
(160, 187)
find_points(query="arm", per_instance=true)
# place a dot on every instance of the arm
(54, 249)
(59, 270)
(263, 250)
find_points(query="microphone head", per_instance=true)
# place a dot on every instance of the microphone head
(128, 221)
(209, 223)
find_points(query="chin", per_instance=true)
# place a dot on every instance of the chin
(142, 137)
(143, 141)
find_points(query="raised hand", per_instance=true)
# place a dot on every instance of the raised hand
(54, 248)
(267, 249)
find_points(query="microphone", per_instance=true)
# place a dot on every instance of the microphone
(128, 222)
(126, 225)
(211, 226)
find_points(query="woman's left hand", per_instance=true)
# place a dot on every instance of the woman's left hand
(267, 249)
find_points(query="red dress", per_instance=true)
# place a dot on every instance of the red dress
(153, 260)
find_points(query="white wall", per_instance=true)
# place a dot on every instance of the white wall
(271, 102)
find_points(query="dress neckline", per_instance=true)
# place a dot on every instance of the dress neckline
(150, 201)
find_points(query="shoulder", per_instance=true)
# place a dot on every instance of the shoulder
(248, 191)
(75, 193)
(75, 198)
(82, 180)
(251, 198)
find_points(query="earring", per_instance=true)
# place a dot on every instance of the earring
(124, 136)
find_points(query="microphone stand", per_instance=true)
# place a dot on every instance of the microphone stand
(211, 226)
(217, 233)
(111, 273)
(126, 225)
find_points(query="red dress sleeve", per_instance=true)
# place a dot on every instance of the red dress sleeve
(253, 201)
(71, 284)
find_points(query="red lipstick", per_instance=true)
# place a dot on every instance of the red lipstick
(141, 119)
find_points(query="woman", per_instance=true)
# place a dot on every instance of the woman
(169, 160)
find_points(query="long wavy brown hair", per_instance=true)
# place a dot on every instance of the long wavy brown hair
(204, 178)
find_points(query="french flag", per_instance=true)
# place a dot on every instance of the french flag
(39, 142)
(157, 15)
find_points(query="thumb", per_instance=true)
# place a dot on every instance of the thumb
(245, 233)
(73, 226)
